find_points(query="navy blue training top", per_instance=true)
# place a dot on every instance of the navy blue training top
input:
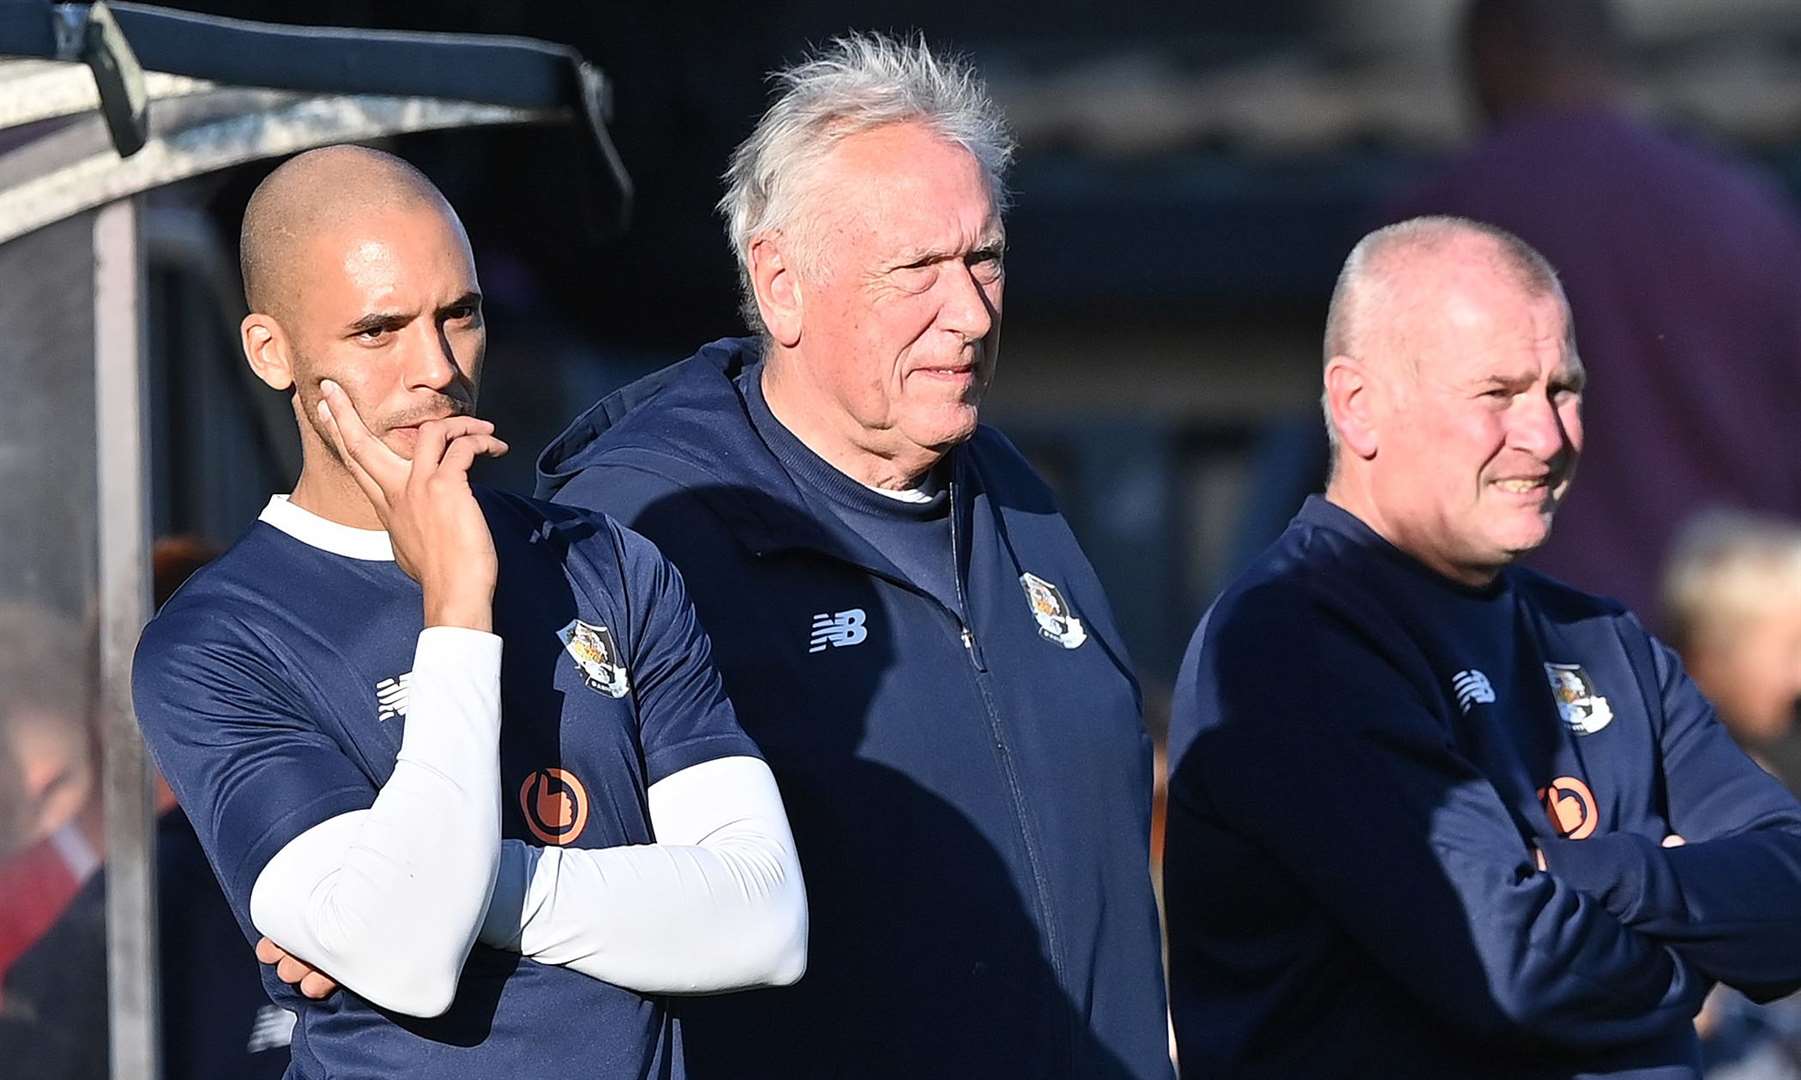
(271, 690)
(1363, 756)
(970, 794)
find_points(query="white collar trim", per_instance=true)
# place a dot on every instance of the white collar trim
(311, 529)
(916, 495)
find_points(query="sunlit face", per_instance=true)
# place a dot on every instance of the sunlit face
(902, 315)
(391, 311)
(1482, 431)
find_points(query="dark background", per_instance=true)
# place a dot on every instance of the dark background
(1189, 179)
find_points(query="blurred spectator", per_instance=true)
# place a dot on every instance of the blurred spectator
(1680, 267)
(217, 1020)
(1732, 607)
(45, 683)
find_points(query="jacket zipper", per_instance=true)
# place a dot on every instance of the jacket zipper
(1004, 752)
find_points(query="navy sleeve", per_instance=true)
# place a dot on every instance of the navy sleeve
(1302, 736)
(684, 717)
(1730, 899)
(249, 767)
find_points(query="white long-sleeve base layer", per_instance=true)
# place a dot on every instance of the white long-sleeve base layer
(388, 900)
(716, 904)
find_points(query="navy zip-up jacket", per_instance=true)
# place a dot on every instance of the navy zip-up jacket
(1364, 756)
(970, 798)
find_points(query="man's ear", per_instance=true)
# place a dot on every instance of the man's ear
(266, 347)
(1351, 396)
(777, 284)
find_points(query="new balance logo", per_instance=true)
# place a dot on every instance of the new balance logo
(272, 1028)
(1472, 688)
(391, 695)
(837, 631)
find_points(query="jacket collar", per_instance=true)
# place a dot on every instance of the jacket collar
(689, 423)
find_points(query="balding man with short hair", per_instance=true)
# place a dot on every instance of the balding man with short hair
(498, 900)
(1432, 814)
(1681, 261)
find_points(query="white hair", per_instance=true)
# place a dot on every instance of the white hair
(858, 82)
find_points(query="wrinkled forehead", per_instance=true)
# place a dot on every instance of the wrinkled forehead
(906, 176)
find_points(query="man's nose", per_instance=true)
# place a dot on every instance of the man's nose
(968, 309)
(431, 363)
(1538, 428)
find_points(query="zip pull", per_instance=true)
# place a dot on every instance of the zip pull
(972, 649)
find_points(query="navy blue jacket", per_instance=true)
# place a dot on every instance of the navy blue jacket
(971, 803)
(1364, 755)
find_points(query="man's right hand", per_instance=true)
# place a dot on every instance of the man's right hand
(439, 535)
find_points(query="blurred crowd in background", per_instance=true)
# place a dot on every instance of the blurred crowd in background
(1189, 180)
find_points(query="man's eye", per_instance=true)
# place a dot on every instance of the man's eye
(917, 275)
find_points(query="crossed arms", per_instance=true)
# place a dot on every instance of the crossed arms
(387, 890)
(1413, 852)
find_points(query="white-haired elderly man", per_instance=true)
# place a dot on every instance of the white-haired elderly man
(905, 622)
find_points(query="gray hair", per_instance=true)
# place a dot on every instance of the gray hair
(858, 82)
(1365, 282)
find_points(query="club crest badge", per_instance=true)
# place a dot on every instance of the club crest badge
(1584, 711)
(1055, 621)
(598, 657)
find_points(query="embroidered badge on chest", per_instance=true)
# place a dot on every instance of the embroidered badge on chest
(1055, 621)
(597, 655)
(1584, 711)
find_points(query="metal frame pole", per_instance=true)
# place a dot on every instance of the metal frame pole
(124, 605)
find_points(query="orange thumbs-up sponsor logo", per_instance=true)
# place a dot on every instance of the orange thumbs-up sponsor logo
(555, 805)
(1571, 807)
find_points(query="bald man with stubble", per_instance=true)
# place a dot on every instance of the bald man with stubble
(326, 699)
